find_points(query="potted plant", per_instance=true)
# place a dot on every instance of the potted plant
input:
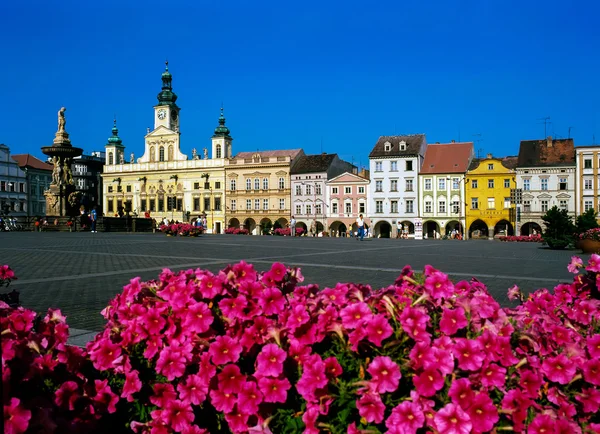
(589, 241)
(583, 223)
(559, 228)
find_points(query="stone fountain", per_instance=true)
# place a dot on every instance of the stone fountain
(62, 198)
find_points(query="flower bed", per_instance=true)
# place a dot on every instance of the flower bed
(590, 234)
(181, 229)
(241, 351)
(236, 231)
(287, 231)
(522, 238)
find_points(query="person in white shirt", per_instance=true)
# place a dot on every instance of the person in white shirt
(293, 227)
(360, 222)
(399, 229)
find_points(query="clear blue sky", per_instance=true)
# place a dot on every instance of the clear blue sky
(293, 74)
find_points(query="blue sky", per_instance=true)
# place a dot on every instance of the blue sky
(314, 75)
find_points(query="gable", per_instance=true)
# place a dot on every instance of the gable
(347, 177)
(160, 131)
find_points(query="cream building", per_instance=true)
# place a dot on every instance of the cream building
(164, 181)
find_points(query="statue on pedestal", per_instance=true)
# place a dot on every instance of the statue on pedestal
(194, 154)
(56, 172)
(62, 121)
(131, 158)
(67, 176)
(121, 158)
(205, 154)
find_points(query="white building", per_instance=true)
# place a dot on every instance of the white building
(587, 163)
(13, 185)
(394, 164)
(546, 174)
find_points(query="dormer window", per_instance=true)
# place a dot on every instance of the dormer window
(403, 145)
(388, 146)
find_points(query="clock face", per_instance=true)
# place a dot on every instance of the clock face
(162, 113)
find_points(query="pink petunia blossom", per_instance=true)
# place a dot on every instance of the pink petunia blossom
(170, 363)
(493, 375)
(371, 407)
(309, 418)
(249, 398)
(237, 421)
(270, 361)
(105, 396)
(198, 318)
(514, 293)
(355, 315)
(453, 320)
(469, 354)
(593, 345)
(428, 382)
(591, 371)
(16, 418)
(298, 316)
(210, 286)
(231, 379)
(441, 359)
(453, 420)
(163, 393)
(233, 308)
(104, 353)
(406, 418)
(179, 415)
(194, 390)
(575, 264)
(313, 377)
(222, 401)
(542, 424)
(153, 321)
(333, 369)
(594, 263)
(590, 399)
(225, 350)
(131, 386)
(483, 412)
(385, 374)
(272, 301)
(67, 394)
(531, 383)
(244, 272)
(378, 329)
(559, 369)
(439, 286)
(274, 389)
(461, 392)
(278, 271)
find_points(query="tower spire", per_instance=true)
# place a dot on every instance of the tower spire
(167, 96)
(222, 130)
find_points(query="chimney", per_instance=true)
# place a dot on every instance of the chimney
(453, 141)
(549, 141)
(489, 155)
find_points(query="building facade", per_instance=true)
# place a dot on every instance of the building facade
(488, 197)
(13, 185)
(87, 177)
(586, 184)
(546, 174)
(164, 181)
(441, 187)
(309, 193)
(258, 190)
(394, 164)
(39, 177)
(348, 198)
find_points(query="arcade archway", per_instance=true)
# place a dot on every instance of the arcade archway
(478, 229)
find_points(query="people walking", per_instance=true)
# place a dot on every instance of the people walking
(360, 222)
(399, 229)
(94, 218)
(293, 227)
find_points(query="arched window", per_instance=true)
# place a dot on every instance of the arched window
(265, 183)
(152, 156)
(281, 183)
(248, 184)
(170, 153)
(218, 151)
(256, 184)
(161, 154)
(110, 158)
(232, 185)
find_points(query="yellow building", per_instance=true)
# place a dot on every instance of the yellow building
(488, 184)
(164, 181)
(258, 189)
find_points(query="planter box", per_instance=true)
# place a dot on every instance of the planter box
(589, 246)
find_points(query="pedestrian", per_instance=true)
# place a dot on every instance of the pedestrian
(94, 218)
(293, 227)
(360, 222)
(399, 229)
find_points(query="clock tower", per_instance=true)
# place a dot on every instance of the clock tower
(166, 112)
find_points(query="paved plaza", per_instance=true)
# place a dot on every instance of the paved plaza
(80, 272)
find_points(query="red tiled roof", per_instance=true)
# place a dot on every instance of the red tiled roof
(448, 158)
(547, 152)
(28, 160)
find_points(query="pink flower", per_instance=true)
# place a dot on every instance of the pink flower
(333, 369)
(542, 424)
(591, 371)
(179, 415)
(104, 353)
(428, 382)
(575, 264)
(16, 418)
(469, 354)
(225, 350)
(67, 394)
(244, 272)
(222, 401)
(439, 286)
(386, 374)
(483, 412)
(378, 329)
(593, 345)
(370, 407)
(272, 301)
(406, 418)
(298, 317)
(453, 320)
(153, 321)
(355, 315)
(270, 361)
(210, 286)
(6, 273)
(194, 390)
(440, 359)
(273, 389)
(249, 398)
(531, 382)
(163, 394)
(131, 386)
(237, 421)
(231, 379)
(493, 375)
(461, 393)
(594, 263)
(514, 293)
(590, 399)
(278, 271)
(233, 308)
(453, 420)
(105, 396)
(559, 369)
(198, 318)
(171, 363)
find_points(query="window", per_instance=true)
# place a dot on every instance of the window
(248, 204)
(441, 183)
(410, 208)
(248, 184)
(308, 189)
(393, 166)
(218, 151)
(587, 205)
(281, 203)
(110, 206)
(490, 166)
(233, 204)
(266, 204)
(490, 183)
(256, 184)
(409, 185)
(161, 154)
(379, 206)
(348, 207)
(587, 184)
(256, 204)
(128, 188)
(334, 190)
(318, 209)
(562, 204)
(81, 184)
(507, 202)
(428, 206)
(544, 183)
(217, 185)
(378, 185)
(544, 206)
(403, 145)
(153, 205)
(21, 187)
(265, 183)
(347, 190)
(526, 184)
(110, 160)
(161, 204)
(217, 204)
(170, 203)
(456, 207)
(562, 183)
(526, 206)
(308, 209)
(298, 190)
(318, 189)
(428, 184)
(455, 183)
(196, 185)
(110, 189)
(474, 203)
(361, 207)
(442, 206)
(474, 183)
(378, 166)
(587, 164)
(388, 146)
(394, 185)
(334, 208)
(207, 204)
(409, 166)
(2, 185)
(231, 185)
(394, 204)
(507, 183)
(491, 203)
(281, 183)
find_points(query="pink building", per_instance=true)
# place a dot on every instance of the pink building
(347, 198)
